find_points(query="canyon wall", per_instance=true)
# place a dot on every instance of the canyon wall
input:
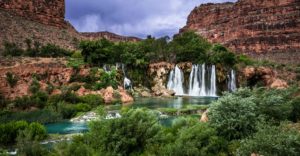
(43, 21)
(260, 28)
(49, 12)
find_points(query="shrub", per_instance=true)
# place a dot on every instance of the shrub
(93, 100)
(234, 116)
(51, 50)
(271, 140)
(50, 87)
(274, 104)
(124, 136)
(199, 139)
(9, 131)
(107, 79)
(11, 49)
(39, 99)
(27, 140)
(67, 111)
(34, 86)
(82, 107)
(11, 79)
(23, 102)
(295, 114)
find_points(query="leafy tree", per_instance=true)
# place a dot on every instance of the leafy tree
(220, 54)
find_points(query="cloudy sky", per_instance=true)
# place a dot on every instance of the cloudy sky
(131, 17)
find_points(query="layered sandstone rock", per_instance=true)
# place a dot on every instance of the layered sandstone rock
(49, 70)
(159, 73)
(263, 29)
(43, 21)
(49, 12)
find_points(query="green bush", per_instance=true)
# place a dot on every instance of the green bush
(274, 104)
(295, 114)
(234, 116)
(34, 86)
(11, 79)
(82, 107)
(51, 50)
(107, 79)
(93, 100)
(124, 136)
(199, 139)
(11, 49)
(28, 140)
(9, 131)
(271, 140)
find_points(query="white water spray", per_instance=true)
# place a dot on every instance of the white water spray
(232, 81)
(176, 80)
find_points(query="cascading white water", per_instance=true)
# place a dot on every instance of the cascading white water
(194, 89)
(232, 81)
(127, 82)
(176, 80)
(202, 82)
(213, 86)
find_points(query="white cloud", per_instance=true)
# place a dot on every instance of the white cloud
(131, 17)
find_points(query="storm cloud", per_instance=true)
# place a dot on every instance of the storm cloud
(131, 17)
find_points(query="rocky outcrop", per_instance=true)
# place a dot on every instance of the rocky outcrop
(268, 76)
(262, 29)
(43, 21)
(49, 12)
(48, 70)
(159, 73)
(108, 94)
(110, 36)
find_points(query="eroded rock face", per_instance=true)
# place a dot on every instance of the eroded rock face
(262, 29)
(48, 69)
(159, 73)
(108, 94)
(44, 21)
(267, 75)
(49, 12)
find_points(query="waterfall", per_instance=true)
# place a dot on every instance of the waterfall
(232, 81)
(127, 82)
(176, 80)
(194, 89)
(202, 81)
(213, 86)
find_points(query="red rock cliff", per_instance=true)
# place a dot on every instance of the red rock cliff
(50, 12)
(259, 28)
(43, 21)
